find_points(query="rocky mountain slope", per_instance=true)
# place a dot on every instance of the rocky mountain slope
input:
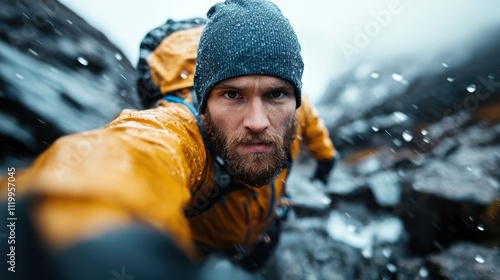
(417, 192)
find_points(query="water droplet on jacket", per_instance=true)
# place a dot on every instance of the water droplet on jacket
(479, 259)
(118, 57)
(83, 61)
(444, 65)
(480, 227)
(184, 74)
(19, 76)
(407, 136)
(471, 88)
(450, 79)
(375, 75)
(424, 132)
(375, 128)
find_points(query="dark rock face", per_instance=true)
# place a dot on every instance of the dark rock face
(59, 75)
(444, 203)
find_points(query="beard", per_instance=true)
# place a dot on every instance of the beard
(256, 169)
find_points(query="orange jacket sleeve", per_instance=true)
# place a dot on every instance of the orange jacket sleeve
(139, 168)
(312, 131)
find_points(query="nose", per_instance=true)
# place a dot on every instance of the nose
(256, 117)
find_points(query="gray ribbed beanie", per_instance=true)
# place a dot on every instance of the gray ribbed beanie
(246, 37)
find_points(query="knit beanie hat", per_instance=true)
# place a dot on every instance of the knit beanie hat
(246, 37)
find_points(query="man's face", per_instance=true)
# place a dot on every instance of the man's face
(250, 122)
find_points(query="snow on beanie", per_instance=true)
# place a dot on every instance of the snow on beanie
(246, 37)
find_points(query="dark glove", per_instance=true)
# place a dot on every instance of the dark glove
(323, 170)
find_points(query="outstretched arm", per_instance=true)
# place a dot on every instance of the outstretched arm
(115, 192)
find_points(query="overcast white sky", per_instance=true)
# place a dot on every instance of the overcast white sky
(333, 34)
